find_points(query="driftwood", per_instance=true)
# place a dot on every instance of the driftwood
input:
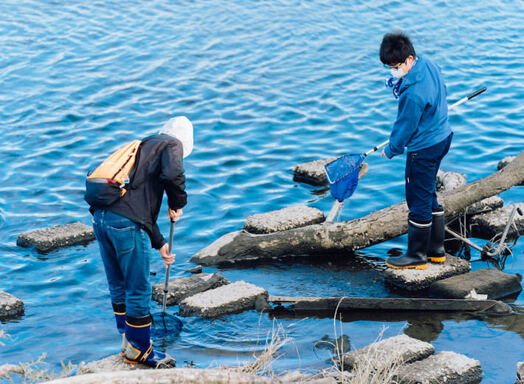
(345, 237)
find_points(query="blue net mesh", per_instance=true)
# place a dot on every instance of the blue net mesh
(342, 175)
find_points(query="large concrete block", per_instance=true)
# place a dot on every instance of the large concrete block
(400, 349)
(287, 218)
(491, 282)
(416, 280)
(232, 298)
(487, 225)
(10, 306)
(312, 172)
(179, 289)
(48, 239)
(444, 367)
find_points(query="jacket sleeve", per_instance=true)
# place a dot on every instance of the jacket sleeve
(172, 175)
(408, 117)
(157, 240)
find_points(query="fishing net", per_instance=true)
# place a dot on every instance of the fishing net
(342, 175)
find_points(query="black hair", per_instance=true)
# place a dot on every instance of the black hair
(396, 48)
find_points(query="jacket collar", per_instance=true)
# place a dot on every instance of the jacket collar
(415, 74)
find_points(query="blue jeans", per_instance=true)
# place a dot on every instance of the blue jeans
(421, 173)
(126, 257)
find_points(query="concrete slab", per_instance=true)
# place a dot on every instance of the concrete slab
(179, 289)
(48, 239)
(10, 306)
(484, 206)
(283, 219)
(448, 181)
(400, 349)
(232, 298)
(487, 225)
(444, 367)
(416, 280)
(312, 172)
(491, 282)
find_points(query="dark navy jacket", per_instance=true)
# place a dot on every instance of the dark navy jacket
(422, 118)
(158, 168)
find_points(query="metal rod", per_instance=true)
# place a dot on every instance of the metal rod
(505, 233)
(166, 283)
(464, 239)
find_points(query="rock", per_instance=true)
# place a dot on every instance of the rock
(400, 349)
(520, 372)
(262, 304)
(448, 181)
(492, 282)
(48, 239)
(505, 161)
(484, 206)
(168, 376)
(195, 270)
(444, 367)
(10, 306)
(312, 172)
(415, 280)
(179, 289)
(287, 218)
(232, 298)
(109, 364)
(487, 225)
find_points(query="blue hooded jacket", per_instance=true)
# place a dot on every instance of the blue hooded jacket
(422, 118)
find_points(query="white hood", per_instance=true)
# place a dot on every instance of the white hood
(181, 128)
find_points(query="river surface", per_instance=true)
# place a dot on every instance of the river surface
(267, 85)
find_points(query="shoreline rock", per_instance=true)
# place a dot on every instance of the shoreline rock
(10, 306)
(48, 239)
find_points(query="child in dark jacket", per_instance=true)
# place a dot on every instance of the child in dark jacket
(422, 127)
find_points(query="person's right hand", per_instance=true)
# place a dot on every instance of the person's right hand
(174, 215)
(166, 257)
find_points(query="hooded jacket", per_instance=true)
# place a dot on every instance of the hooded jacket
(158, 168)
(422, 118)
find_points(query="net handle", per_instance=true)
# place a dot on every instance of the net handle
(456, 104)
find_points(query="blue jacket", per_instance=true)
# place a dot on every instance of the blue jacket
(422, 118)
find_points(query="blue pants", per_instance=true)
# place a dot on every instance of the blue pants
(126, 257)
(421, 173)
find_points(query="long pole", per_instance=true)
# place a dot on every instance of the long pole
(166, 283)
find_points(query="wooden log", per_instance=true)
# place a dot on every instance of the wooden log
(346, 237)
(315, 304)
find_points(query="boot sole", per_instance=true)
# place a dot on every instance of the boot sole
(422, 266)
(130, 361)
(437, 259)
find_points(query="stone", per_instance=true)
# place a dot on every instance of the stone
(448, 181)
(487, 225)
(505, 161)
(109, 364)
(195, 270)
(416, 280)
(262, 304)
(10, 306)
(396, 350)
(484, 206)
(520, 371)
(444, 367)
(48, 239)
(488, 281)
(168, 376)
(179, 289)
(287, 218)
(312, 172)
(232, 298)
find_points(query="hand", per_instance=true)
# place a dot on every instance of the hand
(174, 215)
(166, 257)
(384, 154)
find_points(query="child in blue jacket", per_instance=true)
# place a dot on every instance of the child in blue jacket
(422, 128)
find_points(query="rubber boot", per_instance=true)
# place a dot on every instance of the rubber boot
(120, 316)
(436, 251)
(139, 348)
(415, 257)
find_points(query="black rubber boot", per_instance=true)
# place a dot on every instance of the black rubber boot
(418, 240)
(436, 251)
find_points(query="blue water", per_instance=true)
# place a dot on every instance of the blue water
(267, 85)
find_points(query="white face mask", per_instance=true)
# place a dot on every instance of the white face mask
(397, 73)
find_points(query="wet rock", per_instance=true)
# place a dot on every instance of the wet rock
(487, 225)
(491, 282)
(232, 298)
(48, 239)
(484, 206)
(262, 304)
(337, 347)
(179, 289)
(10, 306)
(109, 364)
(168, 376)
(505, 161)
(287, 218)
(415, 280)
(195, 270)
(400, 349)
(448, 181)
(312, 172)
(520, 372)
(444, 367)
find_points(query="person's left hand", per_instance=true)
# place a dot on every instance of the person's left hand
(174, 216)
(384, 154)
